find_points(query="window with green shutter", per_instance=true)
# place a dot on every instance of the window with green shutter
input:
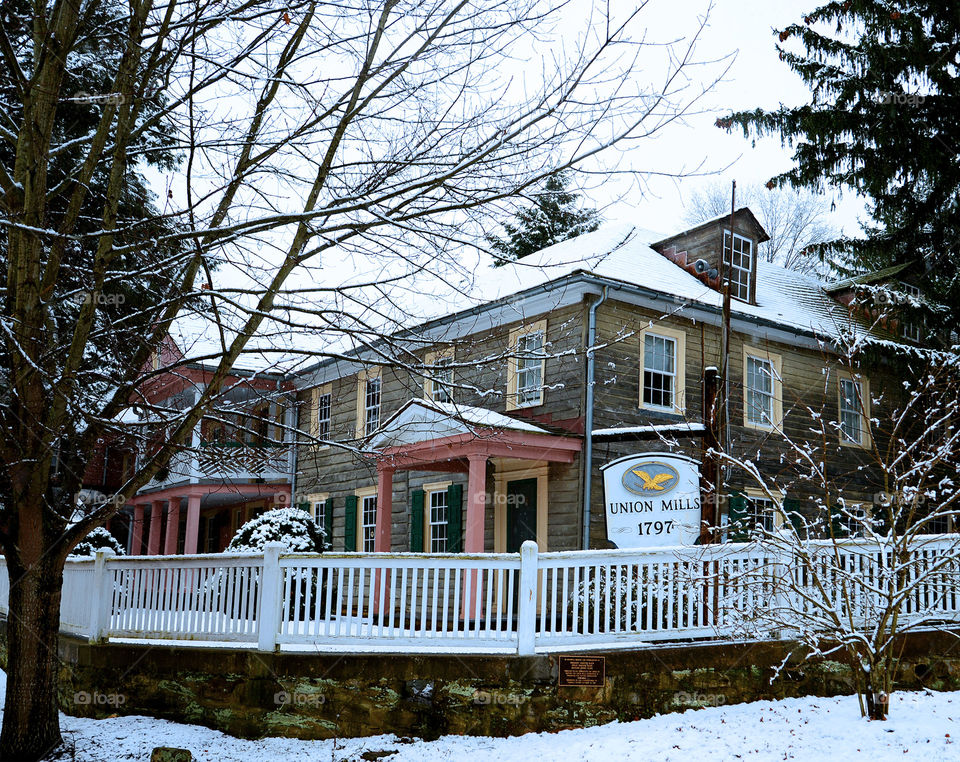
(416, 521)
(350, 524)
(455, 518)
(791, 509)
(739, 526)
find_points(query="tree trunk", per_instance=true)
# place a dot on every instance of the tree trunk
(31, 719)
(875, 694)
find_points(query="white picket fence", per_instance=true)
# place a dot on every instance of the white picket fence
(491, 603)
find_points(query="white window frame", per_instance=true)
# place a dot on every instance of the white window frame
(776, 394)
(863, 412)
(739, 285)
(431, 544)
(910, 330)
(437, 382)
(318, 507)
(316, 396)
(770, 510)
(366, 532)
(514, 368)
(679, 339)
(363, 409)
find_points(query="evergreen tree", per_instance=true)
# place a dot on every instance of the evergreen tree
(554, 217)
(882, 123)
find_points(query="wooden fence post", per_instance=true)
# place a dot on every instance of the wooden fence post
(102, 604)
(527, 600)
(268, 608)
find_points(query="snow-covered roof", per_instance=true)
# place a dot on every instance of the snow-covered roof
(623, 253)
(420, 420)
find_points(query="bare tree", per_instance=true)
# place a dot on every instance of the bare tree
(380, 134)
(847, 573)
(795, 220)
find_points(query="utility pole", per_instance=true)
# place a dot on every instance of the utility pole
(723, 390)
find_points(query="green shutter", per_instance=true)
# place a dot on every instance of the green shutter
(455, 518)
(791, 507)
(304, 507)
(837, 529)
(739, 530)
(350, 524)
(328, 522)
(416, 521)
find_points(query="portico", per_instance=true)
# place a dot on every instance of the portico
(160, 513)
(441, 437)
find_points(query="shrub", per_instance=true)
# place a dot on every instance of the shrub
(98, 539)
(294, 527)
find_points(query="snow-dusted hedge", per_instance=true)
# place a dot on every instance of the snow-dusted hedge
(98, 539)
(294, 527)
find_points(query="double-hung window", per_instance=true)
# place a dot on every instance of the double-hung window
(526, 366)
(910, 329)
(662, 369)
(368, 523)
(761, 512)
(738, 266)
(438, 377)
(762, 390)
(372, 406)
(369, 395)
(438, 520)
(323, 408)
(853, 411)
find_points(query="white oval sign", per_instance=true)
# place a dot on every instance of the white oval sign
(652, 500)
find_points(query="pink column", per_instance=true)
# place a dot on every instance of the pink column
(156, 517)
(173, 526)
(473, 534)
(136, 530)
(476, 504)
(193, 524)
(382, 541)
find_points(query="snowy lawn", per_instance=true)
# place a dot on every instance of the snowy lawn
(924, 725)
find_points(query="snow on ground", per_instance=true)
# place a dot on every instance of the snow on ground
(923, 724)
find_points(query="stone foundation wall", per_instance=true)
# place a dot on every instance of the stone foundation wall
(250, 694)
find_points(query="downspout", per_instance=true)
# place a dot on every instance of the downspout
(588, 433)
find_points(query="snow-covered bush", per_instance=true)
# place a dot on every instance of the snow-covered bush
(294, 527)
(299, 533)
(98, 539)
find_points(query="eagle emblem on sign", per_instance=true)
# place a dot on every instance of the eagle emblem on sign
(649, 479)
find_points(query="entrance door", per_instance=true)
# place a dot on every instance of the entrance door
(521, 513)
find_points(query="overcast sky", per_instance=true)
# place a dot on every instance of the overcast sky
(757, 78)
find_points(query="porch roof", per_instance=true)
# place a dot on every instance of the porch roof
(430, 435)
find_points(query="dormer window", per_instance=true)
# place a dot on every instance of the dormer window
(910, 329)
(739, 268)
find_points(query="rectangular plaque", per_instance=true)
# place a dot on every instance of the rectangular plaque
(580, 671)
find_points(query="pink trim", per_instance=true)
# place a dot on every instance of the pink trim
(156, 517)
(381, 541)
(136, 538)
(193, 524)
(173, 526)
(498, 444)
